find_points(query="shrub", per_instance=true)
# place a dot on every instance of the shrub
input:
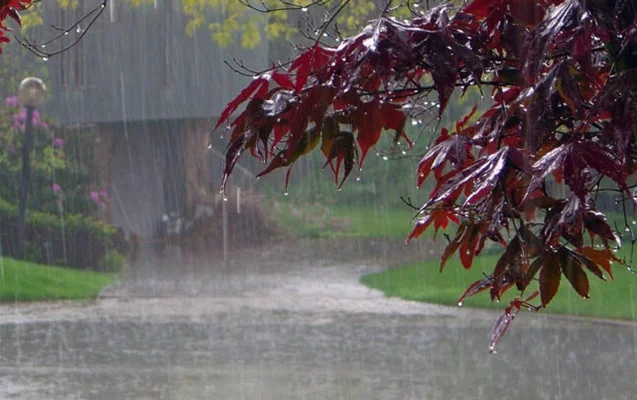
(74, 240)
(114, 261)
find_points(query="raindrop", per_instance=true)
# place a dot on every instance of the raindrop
(43, 46)
(414, 122)
(286, 193)
(66, 33)
(460, 304)
(79, 29)
(304, 9)
(634, 222)
(385, 158)
(45, 58)
(340, 189)
(404, 153)
(358, 179)
(377, 154)
(492, 349)
(627, 229)
(225, 198)
(210, 145)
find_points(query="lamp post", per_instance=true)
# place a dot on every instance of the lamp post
(30, 94)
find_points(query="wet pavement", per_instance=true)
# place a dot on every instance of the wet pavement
(280, 324)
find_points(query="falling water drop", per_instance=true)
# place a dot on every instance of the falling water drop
(45, 58)
(286, 193)
(385, 158)
(209, 145)
(358, 179)
(304, 9)
(460, 304)
(225, 198)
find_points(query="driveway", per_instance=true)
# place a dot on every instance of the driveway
(293, 322)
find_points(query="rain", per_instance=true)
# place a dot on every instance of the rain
(128, 272)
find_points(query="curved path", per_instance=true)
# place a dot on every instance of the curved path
(293, 322)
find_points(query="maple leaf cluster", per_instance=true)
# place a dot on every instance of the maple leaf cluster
(562, 76)
(11, 9)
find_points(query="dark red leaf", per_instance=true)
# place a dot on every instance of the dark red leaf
(550, 278)
(256, 86)
(601, 257)
(502, 325)
(572, 269)
(475, 288)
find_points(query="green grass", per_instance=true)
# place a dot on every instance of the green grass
(362, 221)
(423, 282)
(24, 281)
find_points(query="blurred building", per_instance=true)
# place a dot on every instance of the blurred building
(153, 93)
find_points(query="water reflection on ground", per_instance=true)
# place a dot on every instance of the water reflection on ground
(297, 329)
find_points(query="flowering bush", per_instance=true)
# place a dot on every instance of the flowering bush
(59, 182)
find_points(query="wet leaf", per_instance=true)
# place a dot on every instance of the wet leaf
(550, 278)
(572, 269)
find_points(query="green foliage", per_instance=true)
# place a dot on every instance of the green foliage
(61, 179)
(114, 261)
(26, 281)
(313, 220)
(70, 223)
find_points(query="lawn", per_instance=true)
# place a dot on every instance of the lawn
(423, 282)
(364, 221)
(24, 281)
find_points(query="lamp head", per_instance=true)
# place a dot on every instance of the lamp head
(31, 92)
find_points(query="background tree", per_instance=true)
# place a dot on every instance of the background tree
(561, 79)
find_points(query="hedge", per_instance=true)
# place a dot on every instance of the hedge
(75, 240)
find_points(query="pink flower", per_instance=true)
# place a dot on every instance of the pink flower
(58, 142)
(103, 193)
(95, 196)
(57, 189)
(12, 101)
